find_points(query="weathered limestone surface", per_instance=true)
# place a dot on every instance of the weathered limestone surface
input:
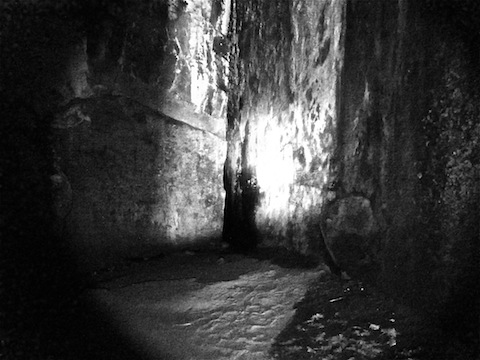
(164, 55)
(350, 231)
(358, 119)
(140, 129)
(282, 118)
(138, 181)
(378, 129)
(406, 102)
(330, 103)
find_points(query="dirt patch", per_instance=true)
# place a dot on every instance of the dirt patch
(347, 320)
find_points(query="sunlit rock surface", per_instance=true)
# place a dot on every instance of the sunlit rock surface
(282, 120)
(134, 181)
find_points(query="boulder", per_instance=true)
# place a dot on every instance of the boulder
(349, 229)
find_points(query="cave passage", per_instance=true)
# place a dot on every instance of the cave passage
(226, 179)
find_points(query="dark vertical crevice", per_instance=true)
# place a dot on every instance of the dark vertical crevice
(249, 198)
(239, 229)
(242, 196)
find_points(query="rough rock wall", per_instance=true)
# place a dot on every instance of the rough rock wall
(357, 122)
(285, 67)
(138, 180)
(132, 182)
(378, 131)
(167, 55)
(113, 77)
(451, 163)
(407, 150)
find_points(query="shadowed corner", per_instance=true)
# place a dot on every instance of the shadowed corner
(43, 313)
(46, 312)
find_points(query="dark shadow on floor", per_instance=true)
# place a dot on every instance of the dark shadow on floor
(285, 258)
(207, 265)
(347, 319)
(41, 316)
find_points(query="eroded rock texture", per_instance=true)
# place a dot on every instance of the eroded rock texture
(161, 54)
(139, 181)
(399, 147)
(350, 232)
(140, 127)
(358, 119)
(285, 70)
(72, 62)
(382, 102)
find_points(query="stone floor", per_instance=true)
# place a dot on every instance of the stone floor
(208, 305)
(201, 306)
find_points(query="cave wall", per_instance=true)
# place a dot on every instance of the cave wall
(284, 77)
(354, 124)
(379, 136)
(408, 143)
(167, 55)
(450, 176)
(135, 98)
(132, 182)
(140, 131)
(350, 123)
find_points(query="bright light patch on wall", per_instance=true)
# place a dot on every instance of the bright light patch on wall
(291, 170)
(203, 72)
(274, 165)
